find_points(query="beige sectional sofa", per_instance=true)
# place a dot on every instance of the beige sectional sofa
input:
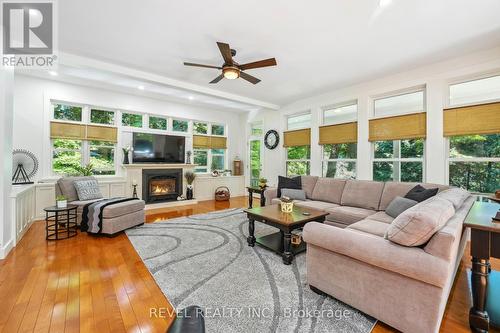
(349, 258)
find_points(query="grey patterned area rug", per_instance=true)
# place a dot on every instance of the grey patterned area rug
(205, 260)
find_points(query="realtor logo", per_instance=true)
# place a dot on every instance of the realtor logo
(28, 34)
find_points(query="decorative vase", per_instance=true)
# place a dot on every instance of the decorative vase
(286, 207)
(125, 158)
(189, 192)
(62, 203)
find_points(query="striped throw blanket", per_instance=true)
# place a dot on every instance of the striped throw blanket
(92, 214)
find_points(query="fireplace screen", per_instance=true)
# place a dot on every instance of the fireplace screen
(161, 186)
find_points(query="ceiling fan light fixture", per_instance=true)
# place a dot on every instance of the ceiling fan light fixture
(231, 72)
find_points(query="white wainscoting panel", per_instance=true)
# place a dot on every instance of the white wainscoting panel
(205, 186)
(22, 210)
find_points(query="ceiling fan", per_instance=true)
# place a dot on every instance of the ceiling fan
(231, 69)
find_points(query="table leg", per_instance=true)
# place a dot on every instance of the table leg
(251, 231)
(478, 317)
(67, 222)
(57, 225)
(262, 199)
(250, 199)
(46, 225)
(287, 254)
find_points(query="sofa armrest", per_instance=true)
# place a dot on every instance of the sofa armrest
(412, 262)
(270, 193)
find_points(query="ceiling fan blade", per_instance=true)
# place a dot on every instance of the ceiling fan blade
(258, 64)
(249, 78)
(217, 79)
(200, 65)
(225, 50)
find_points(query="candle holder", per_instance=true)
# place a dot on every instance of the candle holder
(134, 193)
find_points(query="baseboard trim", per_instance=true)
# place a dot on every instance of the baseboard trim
(4, 250)
(171, 204)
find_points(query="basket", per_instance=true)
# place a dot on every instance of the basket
(222, 193)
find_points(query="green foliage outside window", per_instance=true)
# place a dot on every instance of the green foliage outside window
(396, 168)
(298, 167)
(102, 117)
(102, 157)
(201, 158)
(67, 156)
(158, 123)
(255, 146)
(339, 168)
(475, 176)
(218, 159)
(131, 120)
(217, 129)
(200, 128)
(180, 125)
(67, 112)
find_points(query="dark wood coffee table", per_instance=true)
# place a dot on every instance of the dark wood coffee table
(280, 242)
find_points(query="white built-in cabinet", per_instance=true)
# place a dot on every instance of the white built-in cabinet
(22, 207)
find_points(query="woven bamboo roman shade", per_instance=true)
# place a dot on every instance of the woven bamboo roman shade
(475, 119)
(341, 133)
(102, 133)
(67, 131)
(411, 126)
(209, 142)
(296, 138)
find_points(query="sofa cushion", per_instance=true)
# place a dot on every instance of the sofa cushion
(399, 205)
(416, 225)
(400, 189)
(348, 215)
(382, 217)
(67, 187)
(293, 194)
(87, 189)
(362, 193)
(123, 208)
(284, 182)
(320, 205)
(455, 195)
(370, 226)
(420, 193)
(328, 189)
(308, 183)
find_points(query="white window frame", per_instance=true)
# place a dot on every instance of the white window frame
(308, 161)
(396, 93)
(326, 108)
(145, 120)
(326, 160)
(399, 159)
(209, 129)
(155, 116)
(217, 124)
(171, 126)
(303, 113)
(465, 79)
(89, 116)
(115, 164)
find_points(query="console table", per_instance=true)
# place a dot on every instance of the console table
(485, 243)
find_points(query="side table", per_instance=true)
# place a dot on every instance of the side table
(485, 243)
(256, 189)
(60, 223)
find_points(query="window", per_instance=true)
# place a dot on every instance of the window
(399, 160)
(201, 159)
(66, 156)
(102, 157)
(158, 123)
(299, 121)
(200, 128)
(474, 162)
(67, 112)
(179, 125)
(298, 161)
(218, 159)
(340, 114)
(131, 120)
(401, 104)
(102, 117)
(256, 129)
(217, 129)
(470, 92)
(339, 160)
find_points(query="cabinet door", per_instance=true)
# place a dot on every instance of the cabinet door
(45, 197)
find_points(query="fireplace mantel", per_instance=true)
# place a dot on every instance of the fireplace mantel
(158, 166)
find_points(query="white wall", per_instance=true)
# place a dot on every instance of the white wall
(32, 114)
(6, 120)
(435, 77)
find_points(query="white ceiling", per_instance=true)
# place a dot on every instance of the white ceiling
(318, 45)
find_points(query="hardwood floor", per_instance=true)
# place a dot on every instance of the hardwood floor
(93, 284)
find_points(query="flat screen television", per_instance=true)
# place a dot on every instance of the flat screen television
(157, 148)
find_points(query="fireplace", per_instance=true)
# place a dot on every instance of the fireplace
(161, 185)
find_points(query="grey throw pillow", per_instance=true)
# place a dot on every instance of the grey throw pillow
(293, 194)
(399, 205)
(87, 189)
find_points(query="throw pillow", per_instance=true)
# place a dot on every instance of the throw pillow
(416, 225)
(455, 195)
(293, 183)
(293, 194)
(420, 193)
(87, 189)
(399, 205)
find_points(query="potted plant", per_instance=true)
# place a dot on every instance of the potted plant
(262, 183)
(86, 170)
(61, 201)
(190, 176)
(126, 150)
(188, 157)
